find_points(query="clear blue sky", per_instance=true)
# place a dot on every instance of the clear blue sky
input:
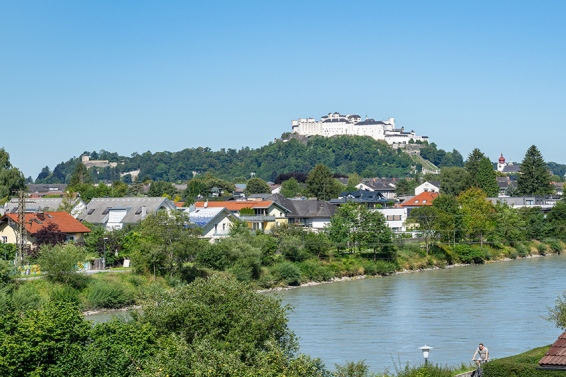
(137, 76)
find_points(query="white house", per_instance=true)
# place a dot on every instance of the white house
(427, 187)
(215, 222)
(395, 218)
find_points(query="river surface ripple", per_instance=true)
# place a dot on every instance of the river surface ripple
(384, 320)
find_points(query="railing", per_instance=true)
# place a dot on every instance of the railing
(257, 218)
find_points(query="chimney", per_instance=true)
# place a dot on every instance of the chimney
(143, 212)
(40, 216)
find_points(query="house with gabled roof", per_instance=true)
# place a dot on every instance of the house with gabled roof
(73, 229)
(313, 214)
(386, 186)
(258, 214)
(370, 199)
(555, 357)
(427, 186)
(115, 213)
(40, 204)
(215, 222)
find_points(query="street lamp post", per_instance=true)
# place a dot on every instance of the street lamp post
(104, 259)
(426, 350)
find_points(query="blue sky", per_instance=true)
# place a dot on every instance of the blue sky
(137, 76)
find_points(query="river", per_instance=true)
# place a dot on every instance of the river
(385, 320)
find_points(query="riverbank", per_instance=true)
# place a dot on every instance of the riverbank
(404, 271)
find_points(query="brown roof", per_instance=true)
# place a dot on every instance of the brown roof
(555, 358)
(38, 220)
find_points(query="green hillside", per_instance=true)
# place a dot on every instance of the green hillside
(342, 154)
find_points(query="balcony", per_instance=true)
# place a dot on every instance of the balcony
(256, 218)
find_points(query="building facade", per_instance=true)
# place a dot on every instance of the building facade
(335, 124)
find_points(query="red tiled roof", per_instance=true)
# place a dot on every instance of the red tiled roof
(37, 221)
(237, 205)
(555, 358)
(423, 199)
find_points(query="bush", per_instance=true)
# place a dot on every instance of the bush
(313, 270)
(555, 245)
(468, 254)
(522, 250)
(26, 297)
(542, 248)
(108, 294)
(286, 272)
(65, 293)
(59, 263)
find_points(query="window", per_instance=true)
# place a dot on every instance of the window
(4, 239)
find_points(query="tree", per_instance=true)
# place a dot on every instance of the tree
(473, 168)
(477, 214)
(257, 186)
(453, 180)
(406, 186)
(80, 175)
(449, 226)
(50, 235)
(11, 179)
(535, 223)
(556, 220)
(534, 177)
(343, 226)
(557, 314)
(321, 183)
(166, 243)
(426, 218)
(509, 226)
(225, 327)
(59, 263)
(487, 178)
(290, 188)
(162, 188)
(481, 173)
(375, 233)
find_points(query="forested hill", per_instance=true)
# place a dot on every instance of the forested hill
(342, 154)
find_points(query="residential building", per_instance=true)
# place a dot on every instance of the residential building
(73, 229)
(544, 203)
(263, 214)
(51, 189)
(371, 199)
(215, 222)
(427, 187)
(312, 214)
(115, 213)
(41, 204)
(395, 218)
(335, 124)
(386, 186)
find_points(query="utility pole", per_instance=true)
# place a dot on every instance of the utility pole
(21, 232)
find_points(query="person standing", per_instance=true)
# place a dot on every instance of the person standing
(483, 354)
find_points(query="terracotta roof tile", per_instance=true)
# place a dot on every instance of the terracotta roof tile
(39, 220)
(555, 358)
(423, 199)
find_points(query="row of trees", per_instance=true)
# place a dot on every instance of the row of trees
(470, 218)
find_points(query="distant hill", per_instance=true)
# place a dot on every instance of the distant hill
(342, 154)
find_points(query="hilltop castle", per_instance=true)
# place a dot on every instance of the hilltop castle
(336, 124)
